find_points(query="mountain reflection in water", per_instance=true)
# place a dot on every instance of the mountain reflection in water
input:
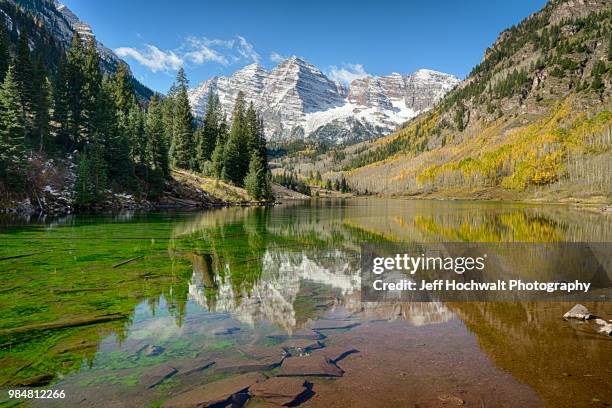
(255, 273)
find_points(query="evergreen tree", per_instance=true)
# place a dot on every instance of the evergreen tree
(167, 107)
(157, 148)
(253, 181)
(198, 140)
(251, 124)
(598, 70)
(207, 138)
(117, 146)
(123, 89)
(136, 134)
(4, 51)
(12, 131)
(91, 181)
(24, 71)
(92, 81)
(60, 105)
(235, 165)
(218, 155)
(40, 106)
(459, 117)
(75, 82)
(183, 148)
(82, 191)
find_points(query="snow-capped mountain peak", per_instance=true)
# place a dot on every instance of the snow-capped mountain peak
(297, 100)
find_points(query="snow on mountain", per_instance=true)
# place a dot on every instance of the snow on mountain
(298, 101)
(63, 23)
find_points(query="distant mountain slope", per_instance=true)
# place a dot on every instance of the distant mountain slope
(299, 102)
(533, 119)
(62, 23)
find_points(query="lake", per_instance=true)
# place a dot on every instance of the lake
(132, 310)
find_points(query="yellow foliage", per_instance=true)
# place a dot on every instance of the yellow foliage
(530, 155)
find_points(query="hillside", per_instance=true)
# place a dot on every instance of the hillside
(56, 24)
(532, 120)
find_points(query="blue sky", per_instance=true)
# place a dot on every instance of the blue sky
(345, 39)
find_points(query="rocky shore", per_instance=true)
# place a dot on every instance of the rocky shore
(50, 191)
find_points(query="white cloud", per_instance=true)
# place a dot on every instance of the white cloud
(201, 51)
(348, 73)
(246, 50)
(152, 57)
(195, 51)
(276, 57)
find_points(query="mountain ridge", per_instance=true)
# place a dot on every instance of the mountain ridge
(62, 23)
(298, 101)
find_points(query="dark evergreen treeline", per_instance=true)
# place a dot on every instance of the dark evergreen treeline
(61, 104)
(291, 181)
(340, 185)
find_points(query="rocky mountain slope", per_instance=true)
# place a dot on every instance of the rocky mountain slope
(298, 101)
(532, 120)
(62, 23)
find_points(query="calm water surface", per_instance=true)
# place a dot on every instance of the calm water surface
(131, 310)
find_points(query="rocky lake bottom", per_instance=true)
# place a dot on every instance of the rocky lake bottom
(261, 307)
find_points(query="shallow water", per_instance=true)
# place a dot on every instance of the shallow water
(134, 309)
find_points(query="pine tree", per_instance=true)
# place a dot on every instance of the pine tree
(117, 146)
(235, 164)
(12, 132)
(40, 106)
(123, 89)
(24, 72)
(4, 51)
(200, 148)
(167, 107)
(598, 70)
(82, 191)
(60, 105)
(75, 82)
(251, 125)
(183, 148)
(253, 180)
(91, 179)
(459, 117)
(157, 148)
(136, 134)
(92, 81)
(218, 155)
(206, 136)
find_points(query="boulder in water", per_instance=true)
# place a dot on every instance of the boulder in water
(578, 312)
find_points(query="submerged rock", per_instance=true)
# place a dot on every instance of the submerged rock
(334, 324)
(300, 347)
(236, 366)
(215, 393)
(451, 399)
(307, 334)
(225, 331)
(606, 327)
(578, 312)
(191, 366)
(336, 353)
(280, 390)
(151, 351)
(313, 365)
(156, 375)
